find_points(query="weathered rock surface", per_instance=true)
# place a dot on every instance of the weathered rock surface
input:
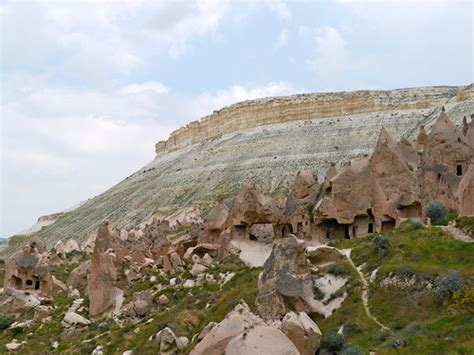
(234, 324)
(103, 294)
(302, 331)
(261, 339)
(168, 342)
(345, 129)
(285, 283)
(28, 270)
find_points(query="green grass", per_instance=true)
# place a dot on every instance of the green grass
(412, 312)
(427, 250)
(188, 312)
(359, 328)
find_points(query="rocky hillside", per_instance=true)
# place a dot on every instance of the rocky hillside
(264, 141)
(403, 298)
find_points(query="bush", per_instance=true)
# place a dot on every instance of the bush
(406, 270)
(5, 322)
(411, 225)
(338, 269)
(447, 284)
(352, 350)
(438, 213)
(381, 244)
(464, 300)
(333, 343)
(318, 294)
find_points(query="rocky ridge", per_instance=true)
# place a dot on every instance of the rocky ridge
(267, 150)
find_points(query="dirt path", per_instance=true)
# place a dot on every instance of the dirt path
(457, 234)
(365, 290)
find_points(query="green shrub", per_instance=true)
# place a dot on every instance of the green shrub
(338, 269)
(411, 225)
(464, 300)
(333, 343)
(447, 284)
(318, 294)
(438, 213)
(406, 270)
(381, 244)
(5, 321)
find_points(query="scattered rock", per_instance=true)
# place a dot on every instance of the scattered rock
(215, 340)
(72, 318)
(302, 331)
(14, 345)
(198, 269)
(163, 300)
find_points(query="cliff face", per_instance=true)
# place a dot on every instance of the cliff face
(255, 113)
(264, 141)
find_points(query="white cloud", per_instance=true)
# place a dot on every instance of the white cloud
(97, 40)
(331, 58)
(153, 86)
(282, 39)
(280, 8)
(62, 145)
(335, 66)
(206, 103)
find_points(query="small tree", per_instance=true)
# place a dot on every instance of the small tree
(381, 244)
(5, 322)
(333, 343)
(447, 284)
(437, 212)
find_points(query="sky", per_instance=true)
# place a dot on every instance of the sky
(88, 87)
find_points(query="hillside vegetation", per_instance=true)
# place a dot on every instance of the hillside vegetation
(400, 297)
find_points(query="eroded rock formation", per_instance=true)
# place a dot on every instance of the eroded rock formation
(28, 270)
(103, 294)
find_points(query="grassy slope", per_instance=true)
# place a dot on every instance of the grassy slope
(186, 314)
(415, 316)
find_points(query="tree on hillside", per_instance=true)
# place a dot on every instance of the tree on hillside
(437, 212)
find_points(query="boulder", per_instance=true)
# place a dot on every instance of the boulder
(176, 261)
(163, 300)
(73, 318)
(262, 340)
(285, 283)
(302, 331)
(142, 303)
(14, 345)
(207, 260)
(66, 248)
(78, 276)
(58, 286)
(234, 324)
(41, 312)
(168, 343)
(198, 269)
(16, 301)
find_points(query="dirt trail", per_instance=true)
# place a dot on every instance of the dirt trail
(365, 290)
(458, 234)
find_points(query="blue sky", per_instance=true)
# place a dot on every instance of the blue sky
(87, 88)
